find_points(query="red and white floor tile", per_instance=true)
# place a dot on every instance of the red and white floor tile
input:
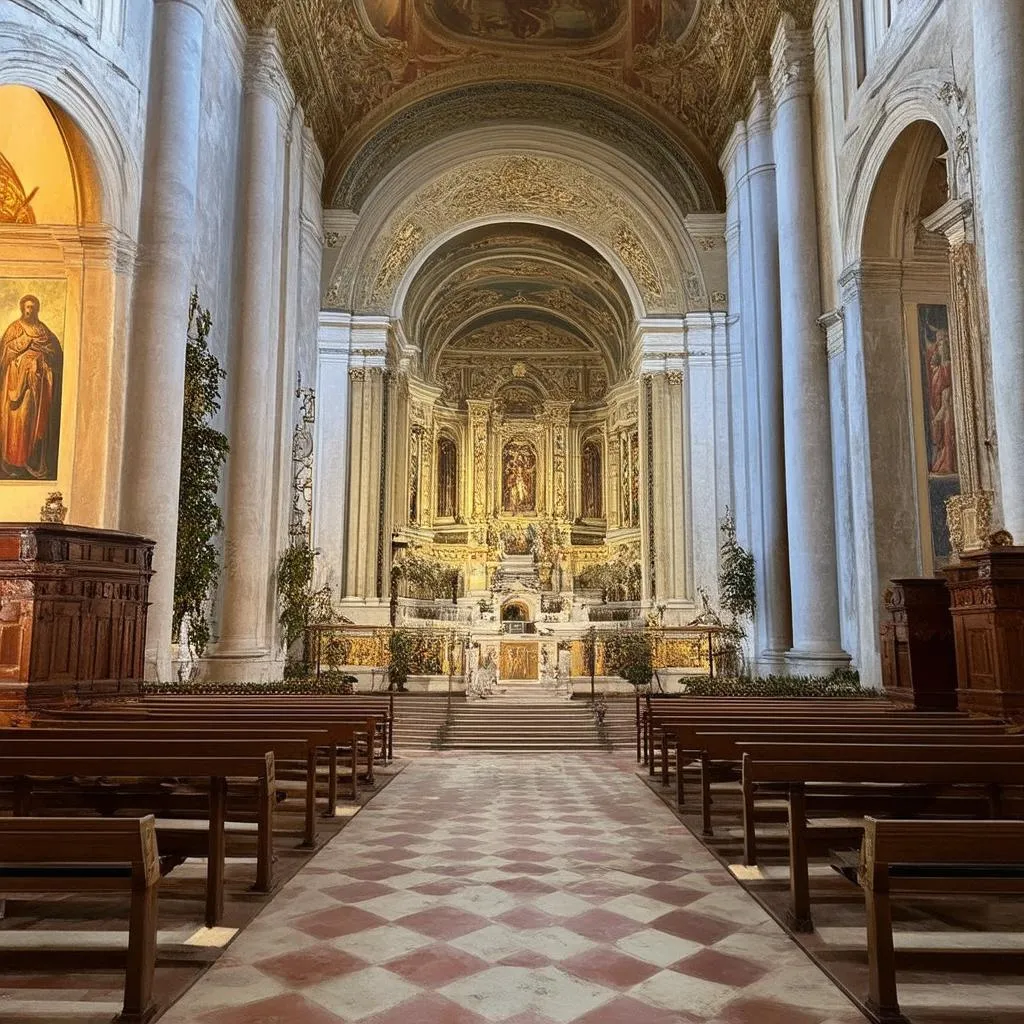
(522, 890)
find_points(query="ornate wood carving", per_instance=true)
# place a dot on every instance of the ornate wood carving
(987, 590)
(73, 607)
(918, 652)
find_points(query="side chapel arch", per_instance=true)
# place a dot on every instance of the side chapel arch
(64, 193)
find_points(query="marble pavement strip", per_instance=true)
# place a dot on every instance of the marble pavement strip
(529, 890)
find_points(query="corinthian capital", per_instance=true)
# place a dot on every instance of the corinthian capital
(265, 74)
(792, 62)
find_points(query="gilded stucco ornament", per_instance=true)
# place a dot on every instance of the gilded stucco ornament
(512, 185)
(353, 74)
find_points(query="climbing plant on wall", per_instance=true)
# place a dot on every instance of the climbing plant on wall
(300, 603)
(204, 450)
(736, 581)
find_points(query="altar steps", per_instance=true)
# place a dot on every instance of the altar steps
(525, 717)
(523, 726)
(418, 720)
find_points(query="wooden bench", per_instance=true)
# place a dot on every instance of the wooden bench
(66, 855)
(721, 751)
(286, 743)
(895, 854)
(912, 719)
(343, 729)
(24, 768)
(41, 743)
(849, 748)
(684, 708)
(796, 775)
(381, 706)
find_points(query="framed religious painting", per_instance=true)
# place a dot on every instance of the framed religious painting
(33, 313)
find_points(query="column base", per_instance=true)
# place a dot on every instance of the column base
(771, 662)
(241, 665)
(815, 663)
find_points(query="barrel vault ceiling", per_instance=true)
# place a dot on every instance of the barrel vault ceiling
(380, 78)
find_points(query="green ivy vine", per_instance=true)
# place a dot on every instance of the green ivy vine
(204, 450)
(300, 604)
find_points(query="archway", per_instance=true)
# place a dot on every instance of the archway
(916, 389)
(523, 302)
(59, 307)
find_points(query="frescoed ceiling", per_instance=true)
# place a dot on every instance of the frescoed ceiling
(669, 75)
(524, 290)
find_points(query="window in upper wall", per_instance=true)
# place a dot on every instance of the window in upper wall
(871, 21)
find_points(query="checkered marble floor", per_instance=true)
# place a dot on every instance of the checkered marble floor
(527, 890)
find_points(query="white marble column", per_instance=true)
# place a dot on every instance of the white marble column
(245, 639)
(332, 441)
(156, 361)
(749, 164)
(810, 503)
(999, 97)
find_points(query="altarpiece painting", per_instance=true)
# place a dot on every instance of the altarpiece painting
(939, 420)
(519, 477)
(447, 477)
(31, 376)
(591, 480)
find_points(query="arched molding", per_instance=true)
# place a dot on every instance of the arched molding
(110, 176)
(477, 179)
(916, 98)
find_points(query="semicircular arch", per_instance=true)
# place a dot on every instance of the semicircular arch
(550, 178)
(918, 98)
(110, 179)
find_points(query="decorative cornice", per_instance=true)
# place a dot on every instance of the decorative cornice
(352, 81)
(833, 323)
(954, 219)
(879, 275)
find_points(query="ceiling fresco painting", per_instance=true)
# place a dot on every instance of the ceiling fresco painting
(526, 21)
(677, 69)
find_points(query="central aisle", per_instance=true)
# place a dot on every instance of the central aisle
(525, 890)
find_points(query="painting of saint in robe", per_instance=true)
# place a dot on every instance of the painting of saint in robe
(937, 388)
(31, 381)
(591, 480)
(519, 478)
(447, 478)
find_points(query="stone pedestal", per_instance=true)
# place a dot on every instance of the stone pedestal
(987, 597)
(918, 652)
(73, 608)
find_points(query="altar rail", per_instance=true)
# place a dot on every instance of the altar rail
(442, 651)
(334, 646)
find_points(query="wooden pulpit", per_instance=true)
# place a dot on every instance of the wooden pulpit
(987, 591)
(918, 651)
(73, 603)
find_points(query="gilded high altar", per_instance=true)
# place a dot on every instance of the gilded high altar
(517, 473)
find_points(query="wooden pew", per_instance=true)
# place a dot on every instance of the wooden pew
(382, 705)
(848, 718)
(796, 775)
(41, 743)
(895, 853)
(883, 749)
(93, 855)
(683, 708)
(287, 743)
(343, 728)
(23, 768)
(717, 747)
